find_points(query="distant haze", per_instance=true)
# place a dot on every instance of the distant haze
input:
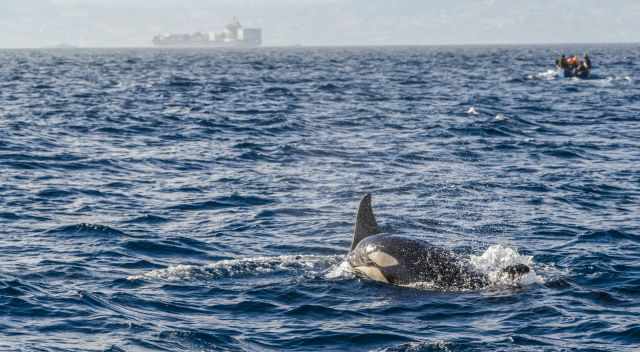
(37, 23)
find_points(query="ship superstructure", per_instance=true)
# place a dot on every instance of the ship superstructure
(234, 35)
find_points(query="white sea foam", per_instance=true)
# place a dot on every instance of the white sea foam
(547, 75)
(619, 78)
(431, 286)
(239, 267)
(416, 346)
(340, 271)
(500, 117)
(496, 258)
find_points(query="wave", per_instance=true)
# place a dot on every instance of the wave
(233, 201)
(54, 193)
(246, 267)
(278, 92)
(86, 229)
(419, 346)
(608, 236)
(200, 340)
(182, 82)
(164, 248)
(148, 219)
(9, 216)
(330, 88)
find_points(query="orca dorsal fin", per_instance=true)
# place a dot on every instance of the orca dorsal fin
(365, 222)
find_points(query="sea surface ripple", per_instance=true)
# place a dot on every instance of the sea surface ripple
(203, 200)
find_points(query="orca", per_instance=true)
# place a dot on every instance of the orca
(400, 260)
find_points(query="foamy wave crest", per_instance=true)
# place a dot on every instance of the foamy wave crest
(432, 286)
(417, 346)
(240, 267)
(342, 270)
(496, 258)
(547, 75)
(619, 78)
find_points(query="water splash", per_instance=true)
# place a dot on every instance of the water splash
(233, 268)
(473, 111)
(547, 75)
(418, 346)
(496, 258)
(340, 271)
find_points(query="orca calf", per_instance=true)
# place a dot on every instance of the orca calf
(401, 260)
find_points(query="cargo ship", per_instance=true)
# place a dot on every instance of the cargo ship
(233, 36)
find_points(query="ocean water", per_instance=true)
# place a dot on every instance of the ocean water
(195, 200)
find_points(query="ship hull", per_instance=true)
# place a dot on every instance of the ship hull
(206, 45)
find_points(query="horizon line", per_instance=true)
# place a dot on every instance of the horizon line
(486, 44)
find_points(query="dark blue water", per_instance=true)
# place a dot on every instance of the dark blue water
(203, 200)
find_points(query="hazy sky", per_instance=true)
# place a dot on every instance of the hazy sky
(35, 23)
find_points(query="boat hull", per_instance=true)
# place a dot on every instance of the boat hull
(570, 73)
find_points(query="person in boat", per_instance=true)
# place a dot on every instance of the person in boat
(587, 61)
(562, 63)
(570, 65)
(582, 70)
